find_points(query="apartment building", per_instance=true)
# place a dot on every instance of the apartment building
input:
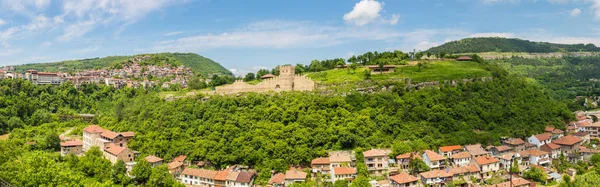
(376, 161)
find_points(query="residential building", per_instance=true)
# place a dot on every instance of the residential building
(320, 165)
(589, 127)
(584, 136)
(433, 160)
(404, 180)
(153, 160)
(182, 159)
(294, 176)
(175, 168)
(240, 178)
(476, 150)
(540, 139)
(114, 152)
(437, 177)
(221, 178)
(499, 150)
(587, 153)
(447, 151)
(517, 144)
(518, 182)
(540, 158)
(487, 165)
(556, 133)
(343, 173)
(568, 144)
(530, 146)
(376, 161)
(403, 160)
(551, 148)
(71, 147)
(95, 135)
(198, 177)
(461, 159)
(339, 160)
(277, 180)
(506, 160)
(43, 77)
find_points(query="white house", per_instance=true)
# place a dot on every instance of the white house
(551, 148)
(436, 177)
(540, 139)
(461, 159)
(487, 165)
(432, 159)
(198, 177)
(343, 173)
(538, 157)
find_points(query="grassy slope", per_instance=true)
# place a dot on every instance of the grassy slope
(435, 71)
(198, 63)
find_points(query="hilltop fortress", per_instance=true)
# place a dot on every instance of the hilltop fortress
(286, 81)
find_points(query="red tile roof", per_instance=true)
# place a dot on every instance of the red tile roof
(536, 152)
(515, 183)
(277, 179)
(202, 173)
(344, 171)
(153, 159)
(114, 149)
(222, 175)
(94, 129)
(568, 140)
(436, 173)
(503, 148)
(450, 148)
(295, 174)
(407, 155)
(543, 137)
(128, 134)
(461, 155)
(404, 178)
(549, 129)
(484, 160)
(180, 158)
(320, 161)
(557, 131)
(516, 141)
(550, 146)
(375, 153)
(473, 168)
(71, 143)
(433, 156)
(173, 165)
(245, 177)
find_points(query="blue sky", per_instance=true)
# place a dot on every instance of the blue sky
(246, 35)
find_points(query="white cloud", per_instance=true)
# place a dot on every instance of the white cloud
(576, 12)
(364, 12)
(9, 52)
(596, 8)
(87, 50)
(559, 1)
(500, 1)
(77, 30)
(2, 22)
(395, 18)
(174, 33)
(26, 7)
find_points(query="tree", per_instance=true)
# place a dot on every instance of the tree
(261, 73)
(249, 77)
(400, 147)
(417, 166)
(419, 65)
(161, 177)
(119, 173)
(367, 74)
(93, 164)
(515, 167)
(299, 69)
(442, 55)
(141, 171)
(428, 54)
(51, 141)
(315, 66)
(340, 183)
(535, 174)
(353, 67)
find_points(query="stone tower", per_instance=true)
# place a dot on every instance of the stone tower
(286, 77)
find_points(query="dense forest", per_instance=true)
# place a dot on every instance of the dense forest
(496, 44)
(268, 131)
(199, 64)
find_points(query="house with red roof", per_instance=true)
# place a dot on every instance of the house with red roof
(437, 177)
(403, 160)
(568, 144)
(517, 182)
(540, 139)
(587, 126)
(320, 165)
(461, 159)
(551, 148)
(114, 152)
(343, 173)
(556, 133)
(71, 147)
(277, 180)
(487, 165)
(517, 144)
(294, 175)
(433, 160)
(584, 136)
(153, 160)
(404, 180)
(376, 161)
(447, 151)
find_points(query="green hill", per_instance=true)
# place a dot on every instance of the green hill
(198, 63)
(495, 44)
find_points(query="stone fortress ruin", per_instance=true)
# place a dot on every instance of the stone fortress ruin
(286, 81)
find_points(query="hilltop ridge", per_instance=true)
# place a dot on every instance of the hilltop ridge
(497, 44)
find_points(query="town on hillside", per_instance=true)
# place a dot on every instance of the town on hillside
(133, 73)
(451, 165)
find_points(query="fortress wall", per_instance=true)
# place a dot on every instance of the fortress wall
(303, 83)
(286, 81)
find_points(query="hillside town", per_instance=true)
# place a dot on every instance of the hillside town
(134, 73)
(462, 165)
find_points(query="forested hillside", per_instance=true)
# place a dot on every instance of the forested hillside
(198, 63)
(496, 44)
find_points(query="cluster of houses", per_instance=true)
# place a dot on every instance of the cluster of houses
(132, 74)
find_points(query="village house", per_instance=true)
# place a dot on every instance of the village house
(584, 136)
(499, 150)
(404, 180)
(487, 165)
(436, 177)
(113, 153)
(568, 144)
(540, 158)
(182, 159)
(447, 151)
(530, 146)
(198, 177)
(343, 173)
(518, 182)
(383, 69)
(465, 173)
(551, 148)
(433, 160)
(461, 159)
(320, 165)
(476, 150)
(230, 177)
(517, 144)
(589, 127)
(277, 180)
(540, 139)
(239, 178)
(175, 168)
(587, 153)
(153, 160)
(506, 160)
(71, 147)
(221, 178)
(556, 133)
(403, 160)
(294, 176)
(376, 161)
(341, 158)
(95, 135)
(42, 78)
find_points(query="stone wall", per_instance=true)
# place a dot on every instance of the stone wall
(286, 81)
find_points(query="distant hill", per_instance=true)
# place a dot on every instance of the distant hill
(496, 44)
(199, 64)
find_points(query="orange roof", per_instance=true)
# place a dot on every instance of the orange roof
(320, 161)
(543, 137)
(461, 155)
(568, 140)
(339, 158)
(550, 146)
(433, 155)
(277, 179)
(503, 148)
(484, 160)
(114, 149)
(173, 165)
(375, 153)
(557, 131)
(93, 129)
(450, 148)
(507, 156)
(202, 173)
(407, 155)
(71, 143)
(515, 182)
(403, 178)
(516, 141)
(180, 158)
(295, 174)
(548, 129)
(153, 159)
(536, 152)
(222, 175)
(109, 134)
(344, 171)
(436, 173)
(459, 170)
(472, 168)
